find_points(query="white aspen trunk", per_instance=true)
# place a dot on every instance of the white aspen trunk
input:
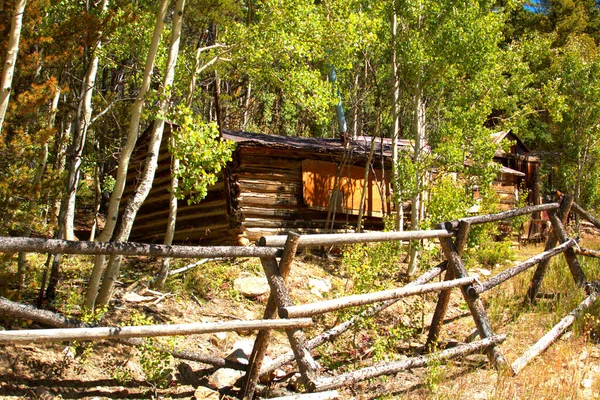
(397, 200)
(59, 167)
(247, 106)
(132, 136)
(84, 117)
(11, 57)
(163, 273)
(356, 108)
(134, 203)
(416, 208)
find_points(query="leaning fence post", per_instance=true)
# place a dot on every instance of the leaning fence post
(570, 256)
(474, 302)
(261, 343)
(444, 295)
(306, 364)
(538, 276)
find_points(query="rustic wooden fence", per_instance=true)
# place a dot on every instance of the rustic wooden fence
(452, 237)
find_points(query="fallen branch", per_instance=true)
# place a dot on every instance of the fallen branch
(552, 335)
(191, 266)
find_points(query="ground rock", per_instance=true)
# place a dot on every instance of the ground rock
(251, 286)
(242, 349)
(225, 377)
(319, 286)
(204, 393)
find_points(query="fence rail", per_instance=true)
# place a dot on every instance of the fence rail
(451, 235)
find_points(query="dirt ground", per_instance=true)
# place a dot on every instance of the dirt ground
(570, 369)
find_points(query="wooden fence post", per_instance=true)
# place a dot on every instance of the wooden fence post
(444, 296)
(538, 276)
(574, 266)
(261, 343)
(306, 364)
(474, 302)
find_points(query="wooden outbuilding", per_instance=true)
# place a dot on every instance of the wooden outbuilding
(518, 172)
(274, 184)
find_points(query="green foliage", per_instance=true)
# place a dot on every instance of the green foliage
(450, 199)
(156, 364)
(212, 279)
(202, 155)
(370, 266)
(492, 253)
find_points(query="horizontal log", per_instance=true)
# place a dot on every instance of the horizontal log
(587, 252)
(552, 335)
(15, 310)
(517, 269)
(269, 162)
(35, 245)
(350, 238)
(276, 200)
(121, 332)
(586, 215)
(482, 219)
(182, 209)
(314, 225)
(322, 307)
(241, 175)
(259, 186)
(207, 217)
(336, 331)
(390, 368)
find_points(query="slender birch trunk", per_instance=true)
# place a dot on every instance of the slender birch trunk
(163, 273)
(134, 203)
(132, 135)
(416, 208)
(396, 126)
(11, 58)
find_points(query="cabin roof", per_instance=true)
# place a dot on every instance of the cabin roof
(498, 137)
(361, 144)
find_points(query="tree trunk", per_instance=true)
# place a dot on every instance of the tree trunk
(419, 131)
(397, 200)
(132, 135)
(11, 58)
(83, 120)
(134, 203)
(163, 273)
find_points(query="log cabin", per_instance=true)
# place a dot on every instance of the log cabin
(276, 184)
